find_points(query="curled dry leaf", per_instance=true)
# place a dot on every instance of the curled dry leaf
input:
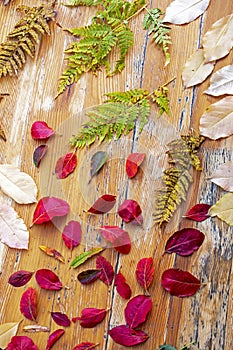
(145, 272)
(40, 130)
(97, 162)
(28, 304)
(198, 212)
(90, 317)
(130, 211)
(223, 176)
(221, 82)
(117, 237)
(133, 162)
(7, 331)
(13, 231)
(89, 276)
(35, 328)
(217, 121)
(106, 270)
(180, 283)
(17, 184)
(2, 133)
(85, 346)
(185, 11)
(20, 278)
(196, 70)
(103, 204)
(223, 209)
(61, 319)
(48, 280)
(81, 258)
(21, 342)
(39, 154)
(52, 252)
(53, 338)
(126, 336)
(122, 287)
(218, 41)
(72, 234)
(137, 309)
(66, 165)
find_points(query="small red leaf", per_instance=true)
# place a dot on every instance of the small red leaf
(40, 130)
(39, 154)
(52, 252)
(137, 309)
(198, 212)
(117, 237)
(54, 337)
(122, 287)
(103, 204)
(90, 317)
(89, 276)
(126, 336)
(47, 279)
(145, 272)
(49, 207)
(85, 346)
(66, 165)
(72, 234)
(130, 211)
(20, 278)
(180, 283)
(28, 304)
(61, 319)
(133, 161)
(106, 272)
(184, 242)
(21, 342)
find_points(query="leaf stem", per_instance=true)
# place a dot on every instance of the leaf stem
(138, 11)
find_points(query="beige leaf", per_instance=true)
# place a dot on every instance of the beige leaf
(7, 331)
(17, 185)
(13, 231)
(223, 209)
(196, 70)
(218, 41)
(221, 82)
(35, 328)
(185, 11)
(2, 133)
(217, 121)
(223, 176)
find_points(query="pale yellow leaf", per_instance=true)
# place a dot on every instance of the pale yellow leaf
(218, 41)
(196, 70)
(7, 331)
(185, 11)
(217, 121)
(13, 231)
(17, 185)
(221, 82)
(223, 209)
(223, 176)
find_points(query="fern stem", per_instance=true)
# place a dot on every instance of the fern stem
(165, 84)
(138, 11)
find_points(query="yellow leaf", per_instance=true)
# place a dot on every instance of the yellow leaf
(7, 331)
(221, 82)
(223, 209)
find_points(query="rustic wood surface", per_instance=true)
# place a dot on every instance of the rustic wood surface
(206, 318)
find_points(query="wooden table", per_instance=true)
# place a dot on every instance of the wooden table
(206, 318)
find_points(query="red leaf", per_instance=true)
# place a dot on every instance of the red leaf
(133, 161)
(61, 319)
(145, 272)
(90, 317)
(40, 130)
(198, 213)
(180, 283)
(72, 234)
(126, 336)
(21, 342)
(119, 238)
(20, 278)
(130, 211)
(54, 337)
(122, 287)
(66, 165)
(85, 346)
(89, 276)
(106, 272)
(49, 207)
(47, 279)
(103, 204)
(137, 310)
(39, 154)
(184, 242)
(28, 304)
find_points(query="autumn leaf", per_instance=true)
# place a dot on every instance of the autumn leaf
(221, 82)
(13, 231)
(85, 346)
(223, 176)
(7, 331)
(106, 270)
(39, 154)
(145, 272)
(40, 130)
(223, 209)
(17, 184)
(89, 276)
(218, 40)
(19, 342)
(48, 280)
(28, 304)
(90, 317)
(66, 165)
(122, 287)
(72, 234)
(61, 319)
(130, 211)
(217, 121)
(20, 278)
(2, 133)
(198, 212)
(103, 204)
(53, 338)
(97, 162)
(81, 258)
(137, 309)
(117, 237)
(126, 336)
(185, 11)
(133, 162)
(35, 328)
(52, 252)
(196, 70)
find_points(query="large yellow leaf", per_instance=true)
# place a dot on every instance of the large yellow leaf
(221, 82)
(218, 41)
(7, 331)
(217, 121)
(223, 176)
(223, 209)
(196, 70)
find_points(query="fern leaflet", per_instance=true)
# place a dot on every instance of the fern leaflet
(160, 96)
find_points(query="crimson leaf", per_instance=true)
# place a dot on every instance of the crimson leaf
(126, 336)
(137, 309)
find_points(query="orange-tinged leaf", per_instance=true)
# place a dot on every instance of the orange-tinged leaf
(52, 252)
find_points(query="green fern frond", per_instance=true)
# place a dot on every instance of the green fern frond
(161, 32)
(160, 96)
(23, 39)
(125, 40)
(128, 97)
(73, 3)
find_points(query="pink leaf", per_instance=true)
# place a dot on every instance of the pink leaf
(198, 212)
(66, 165)
(40, 130)
(85, 346)
(48, 280)
(61, 319)
(28, 304)
(21, 342)
(126, 336)
(130, 211)
(137, 309)
(122, 287)
(133, 161)
(145, 272)
(53, 338)
(106, 272)
(72, 234)
(103, 204)
(90, 317)
(119, 238)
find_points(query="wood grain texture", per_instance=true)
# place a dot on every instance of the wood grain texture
(206, 318)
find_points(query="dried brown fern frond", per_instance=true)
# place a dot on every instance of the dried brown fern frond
(23, 39)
